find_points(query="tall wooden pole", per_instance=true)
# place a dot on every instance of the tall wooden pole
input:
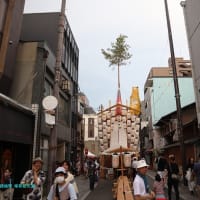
(118, 73)
(6, 35)
(57, 79)
(176, 87)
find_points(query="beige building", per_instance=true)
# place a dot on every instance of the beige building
(183, 68)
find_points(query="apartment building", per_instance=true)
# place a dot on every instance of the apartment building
(159, 100)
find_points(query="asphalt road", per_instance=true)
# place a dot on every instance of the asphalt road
(103, 191)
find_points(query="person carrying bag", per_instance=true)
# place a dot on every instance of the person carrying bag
(173, 177)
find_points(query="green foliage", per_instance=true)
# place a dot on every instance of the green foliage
(118, 53)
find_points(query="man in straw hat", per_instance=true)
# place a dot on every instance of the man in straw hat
(34, 180)
(141, 189)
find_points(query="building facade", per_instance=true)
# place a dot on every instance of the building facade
(11, 14)
(167, 128)
(91, 139)
(159, 99)
(36, 62)
(192, 20)
(17, 127)
(16, 137)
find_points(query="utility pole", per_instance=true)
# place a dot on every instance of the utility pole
(176, 87)
(57, 79)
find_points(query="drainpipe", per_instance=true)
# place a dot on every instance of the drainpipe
(35, 109)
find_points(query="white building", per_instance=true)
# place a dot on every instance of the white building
(90, 124)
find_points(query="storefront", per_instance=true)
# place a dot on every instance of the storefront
(16, 137)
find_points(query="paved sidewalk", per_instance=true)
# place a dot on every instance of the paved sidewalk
(183, 190)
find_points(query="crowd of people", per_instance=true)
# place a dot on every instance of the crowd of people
(31, 185)
(64, 186)
(167, 174)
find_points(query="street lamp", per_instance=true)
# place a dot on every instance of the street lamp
(176, 87)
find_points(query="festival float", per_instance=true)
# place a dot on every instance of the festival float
(118, 129)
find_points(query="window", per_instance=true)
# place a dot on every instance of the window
(91, 134)
(91, 121)
(64, 111)
(48, 89)
(90, 127)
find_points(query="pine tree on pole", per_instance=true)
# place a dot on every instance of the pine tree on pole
(118, 54)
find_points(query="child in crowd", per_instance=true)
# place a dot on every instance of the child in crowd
(158, 188)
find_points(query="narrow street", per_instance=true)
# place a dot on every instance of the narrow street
(97, 87)
(103, 190)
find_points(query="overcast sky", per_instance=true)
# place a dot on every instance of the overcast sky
(97, 23)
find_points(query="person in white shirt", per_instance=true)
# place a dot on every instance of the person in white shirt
(141, 188)
(61, 190)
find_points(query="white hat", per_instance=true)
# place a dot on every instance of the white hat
(141, 163)
(60, 170)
